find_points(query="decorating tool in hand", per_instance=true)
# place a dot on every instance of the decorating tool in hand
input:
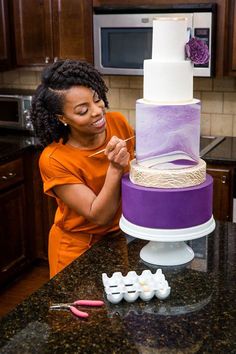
(100, 151)
(73, 306)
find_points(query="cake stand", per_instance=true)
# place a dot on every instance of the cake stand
(167, 247)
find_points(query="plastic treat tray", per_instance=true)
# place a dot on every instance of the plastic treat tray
(130, 287)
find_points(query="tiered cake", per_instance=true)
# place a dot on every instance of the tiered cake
(168, 191)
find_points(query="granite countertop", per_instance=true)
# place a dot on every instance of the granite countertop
(224, 153)
(198, 316)
(12, 144)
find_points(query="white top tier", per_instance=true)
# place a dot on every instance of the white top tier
(168, 76)
(169, 38)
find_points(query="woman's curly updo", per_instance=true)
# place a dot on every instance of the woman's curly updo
(48, 100)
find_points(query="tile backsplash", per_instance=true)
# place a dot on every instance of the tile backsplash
(218, 97)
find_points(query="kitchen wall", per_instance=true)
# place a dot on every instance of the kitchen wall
(218, 97)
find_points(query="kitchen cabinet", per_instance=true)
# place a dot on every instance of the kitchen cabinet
(34, 198)
(232, 39)
(44, 208)
(48, 30)
(14, 246)
(6, 53)
(223, 177)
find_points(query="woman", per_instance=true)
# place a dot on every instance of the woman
(69, 115)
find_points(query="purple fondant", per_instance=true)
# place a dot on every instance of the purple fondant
(167, 208)
(165, 129)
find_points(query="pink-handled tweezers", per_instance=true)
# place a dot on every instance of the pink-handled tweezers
(73, 306)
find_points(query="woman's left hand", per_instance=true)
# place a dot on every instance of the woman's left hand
(117, 153)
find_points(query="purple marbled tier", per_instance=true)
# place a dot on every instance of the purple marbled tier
(167, 208)
(164, 129)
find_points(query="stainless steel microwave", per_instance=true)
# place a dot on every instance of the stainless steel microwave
(123, 39)
(14, 112)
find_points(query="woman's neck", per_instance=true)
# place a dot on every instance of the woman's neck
(86, 142)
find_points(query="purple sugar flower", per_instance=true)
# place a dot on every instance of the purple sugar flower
(197, 51)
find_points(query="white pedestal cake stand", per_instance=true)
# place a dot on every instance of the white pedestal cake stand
(167, 246)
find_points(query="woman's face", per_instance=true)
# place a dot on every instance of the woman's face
(84, 111)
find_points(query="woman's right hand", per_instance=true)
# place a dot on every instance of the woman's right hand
(117, 153)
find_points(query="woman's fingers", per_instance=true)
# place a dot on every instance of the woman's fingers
(116, 151)
(114, 145)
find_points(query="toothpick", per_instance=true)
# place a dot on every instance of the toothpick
(100, 151)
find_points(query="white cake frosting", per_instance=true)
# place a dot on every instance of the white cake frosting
(168, 77)
(181, 178)
(169, 38)
(166, 82)
(168, 117)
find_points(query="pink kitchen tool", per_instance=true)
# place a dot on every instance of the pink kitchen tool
(73, 306)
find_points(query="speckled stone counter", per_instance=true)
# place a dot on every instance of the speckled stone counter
(198, 316)
(13, 144)
(224, 153)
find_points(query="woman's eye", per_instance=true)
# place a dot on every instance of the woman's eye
(83, 111)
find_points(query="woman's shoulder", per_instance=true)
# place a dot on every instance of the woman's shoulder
(119, 125)
(51, 150)
(116, 116)
(117, 119)
(52, 154)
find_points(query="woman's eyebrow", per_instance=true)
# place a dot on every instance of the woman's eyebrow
(84, 103)
(95, 94)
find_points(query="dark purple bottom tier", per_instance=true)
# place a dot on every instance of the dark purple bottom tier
(167, 208)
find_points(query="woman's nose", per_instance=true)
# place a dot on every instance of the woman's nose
(96, 109)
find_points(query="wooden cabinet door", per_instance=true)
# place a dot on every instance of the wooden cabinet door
(46, 30)
(5, 36)
(232, 38)
(222, 192)
(33, 31)
(13, 247)
(72, 29)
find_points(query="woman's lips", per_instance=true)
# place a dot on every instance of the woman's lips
(99, 123)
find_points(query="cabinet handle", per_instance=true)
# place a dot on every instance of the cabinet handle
(8, 176)
(224, 179)
(47, 60)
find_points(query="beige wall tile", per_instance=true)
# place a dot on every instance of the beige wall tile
(234, 126)
(132, 117)
(29, 87)
(106, 80)
(129, 97)
(11, 78)
(28, 77)
(113, 97)
(38, 77)
(136, 82)
(218, 97)
(221, 125)
(230, 103)
(224, 84)
(202, 84)
(125, 112)
(197, 94)
(119, 81)
(205, 124)
(212, 102)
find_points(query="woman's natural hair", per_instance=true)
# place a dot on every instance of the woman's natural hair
(48, 100)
